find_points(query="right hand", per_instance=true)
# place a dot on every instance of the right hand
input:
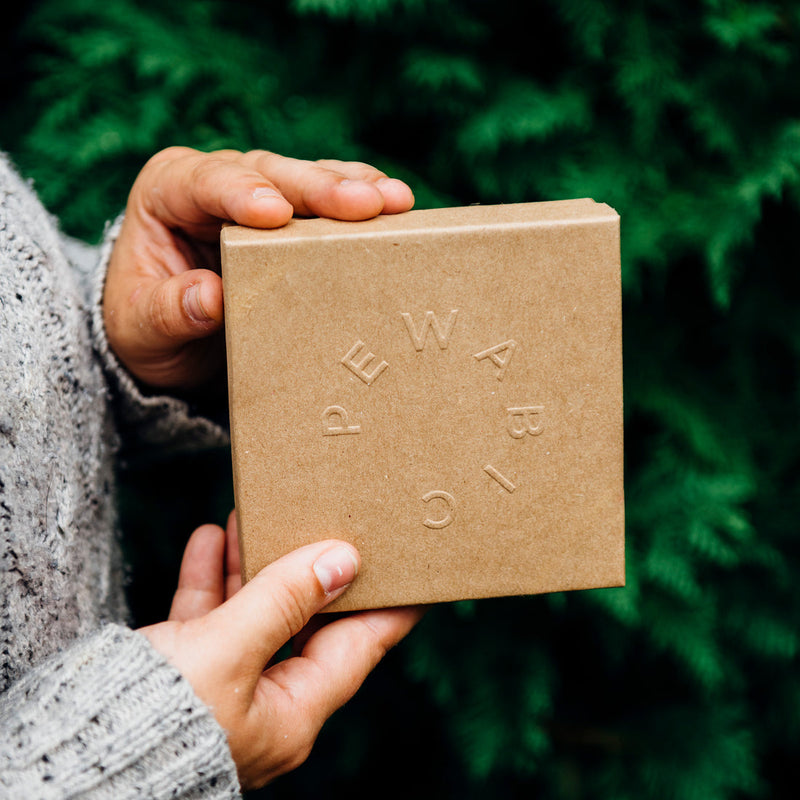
(162, 302)
(223, 641)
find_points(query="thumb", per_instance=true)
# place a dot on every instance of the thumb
(180, 308)
(280, 600)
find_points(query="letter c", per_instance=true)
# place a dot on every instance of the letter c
(451, 509)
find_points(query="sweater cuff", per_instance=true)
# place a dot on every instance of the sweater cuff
(157, 418)
(111, 718)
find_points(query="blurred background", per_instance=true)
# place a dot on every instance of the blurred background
(685, 117)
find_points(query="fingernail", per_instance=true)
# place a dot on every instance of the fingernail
(335, 569)
(193, 305)
(265, 193)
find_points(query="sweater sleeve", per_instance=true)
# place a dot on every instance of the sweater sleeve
(87, 708)
(109, 717)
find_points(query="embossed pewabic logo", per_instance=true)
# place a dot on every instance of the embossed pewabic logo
(522, 420)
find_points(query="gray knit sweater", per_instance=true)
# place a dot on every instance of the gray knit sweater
(87, 707)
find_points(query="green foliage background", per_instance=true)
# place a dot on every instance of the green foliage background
(683, 116)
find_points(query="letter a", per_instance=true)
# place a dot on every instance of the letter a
(493, 354)
(442, 334)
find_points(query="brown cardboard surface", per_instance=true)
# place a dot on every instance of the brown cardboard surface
(442, 388)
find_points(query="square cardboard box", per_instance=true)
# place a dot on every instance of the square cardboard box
(442, 388)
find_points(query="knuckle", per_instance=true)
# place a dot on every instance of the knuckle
(329, 163)
(173, 152)
(259, 153)
(297, 749)
(359, 169)
(280, 738)
(283, 751)
(203, 172)
(262, 161)
(164, 159)
(224, 153)
(299, 757)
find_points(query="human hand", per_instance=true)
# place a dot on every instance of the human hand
(162, 304)
(223, 642)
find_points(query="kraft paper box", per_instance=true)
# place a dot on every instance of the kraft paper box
(441, 388)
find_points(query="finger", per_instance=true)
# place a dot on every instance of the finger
(200, 584)
(335, 189)
(195, 191)
(339, 656)
(397, 195)
(278, 602)
(233, 569)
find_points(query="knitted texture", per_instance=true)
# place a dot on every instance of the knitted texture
(61, 571)
(120, 723)
(61, 576)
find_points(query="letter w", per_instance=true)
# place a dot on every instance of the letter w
(442, 333)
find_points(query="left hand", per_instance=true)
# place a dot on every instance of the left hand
(223, 639)
(163, 302)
